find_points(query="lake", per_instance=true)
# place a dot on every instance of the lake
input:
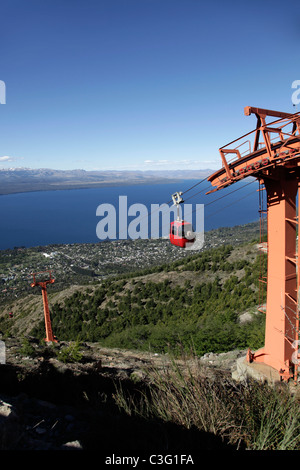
(69, 216)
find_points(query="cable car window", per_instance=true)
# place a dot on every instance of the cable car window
(184, 229)
(187, 228)
(180, 231)
(174, 230)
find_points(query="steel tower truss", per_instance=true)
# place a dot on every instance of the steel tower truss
(271, 154)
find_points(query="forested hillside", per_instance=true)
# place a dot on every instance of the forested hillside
(191, 303)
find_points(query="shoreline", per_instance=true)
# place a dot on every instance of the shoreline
(78, 186)
(249, 225)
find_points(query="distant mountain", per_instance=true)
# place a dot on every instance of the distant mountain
(17, 180)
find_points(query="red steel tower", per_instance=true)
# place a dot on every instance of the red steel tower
(43, 284)
(271, 154)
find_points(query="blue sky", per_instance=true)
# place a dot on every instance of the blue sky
(140, 84)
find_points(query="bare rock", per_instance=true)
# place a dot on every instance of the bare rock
(10, 430)
(74, 445)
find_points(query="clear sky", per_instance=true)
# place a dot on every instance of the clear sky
(140, 84)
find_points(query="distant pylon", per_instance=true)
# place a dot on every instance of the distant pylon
(43, 284)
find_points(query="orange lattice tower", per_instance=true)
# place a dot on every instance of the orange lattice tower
(275, 162)
(43, 284)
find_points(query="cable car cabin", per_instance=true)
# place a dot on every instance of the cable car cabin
(180, 233)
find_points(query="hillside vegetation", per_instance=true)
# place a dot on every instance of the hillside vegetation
(205, 302)
(194, 303)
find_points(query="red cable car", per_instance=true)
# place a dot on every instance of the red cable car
(181, 232)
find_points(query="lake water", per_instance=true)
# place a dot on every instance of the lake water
(69, 216)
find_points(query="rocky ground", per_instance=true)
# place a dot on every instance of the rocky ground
(47, 404)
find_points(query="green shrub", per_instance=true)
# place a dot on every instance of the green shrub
(26, 348)
(70, 353)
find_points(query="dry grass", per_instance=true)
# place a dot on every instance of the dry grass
(251, 415)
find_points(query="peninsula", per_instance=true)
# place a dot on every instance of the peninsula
(20, 180)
